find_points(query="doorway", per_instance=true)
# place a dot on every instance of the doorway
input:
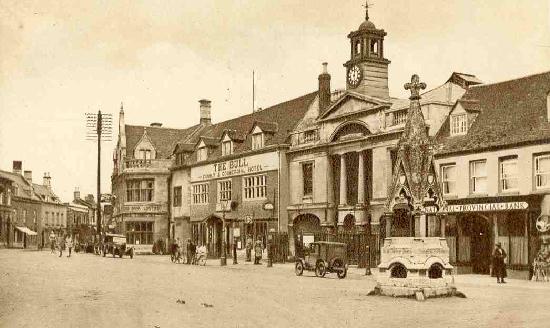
(480, 246)
(214, 228)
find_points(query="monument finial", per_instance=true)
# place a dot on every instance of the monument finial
(415, 86)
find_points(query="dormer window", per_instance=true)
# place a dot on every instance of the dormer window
(227, 148)
(459, 124)
(145, 154)
(257, 140)
(202, 154)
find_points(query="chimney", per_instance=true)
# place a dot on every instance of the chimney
(90, 198)
(28, 176)
(324, 89)
(156, 125)
(17, 167)
(76, 193)
(205, 111)
(47, 180)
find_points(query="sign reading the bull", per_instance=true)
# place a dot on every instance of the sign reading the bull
(240, 166)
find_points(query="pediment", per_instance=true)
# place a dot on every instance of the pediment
(352, 103)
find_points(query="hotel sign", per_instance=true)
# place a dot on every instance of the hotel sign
(487, 207)
(240, 166)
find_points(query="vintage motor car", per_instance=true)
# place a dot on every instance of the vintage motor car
(116, 245)
(323, 257)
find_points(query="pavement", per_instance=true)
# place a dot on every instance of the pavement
(39, 289)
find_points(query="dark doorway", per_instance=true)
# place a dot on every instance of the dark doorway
(480, 246)
(349, 223)
(214, 228)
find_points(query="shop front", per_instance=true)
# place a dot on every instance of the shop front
(472, 227)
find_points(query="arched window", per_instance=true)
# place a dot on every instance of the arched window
(357, 47)
(374, 47)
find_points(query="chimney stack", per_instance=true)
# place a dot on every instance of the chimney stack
(47, 180)
(205, 109)
(90, 198)
(17, 167)
(324, 89)
(76, 193)
(28, 176)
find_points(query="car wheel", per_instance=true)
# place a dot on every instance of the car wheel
(320, 269)
(299, 268)
(342, 274)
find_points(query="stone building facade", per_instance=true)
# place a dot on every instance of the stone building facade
(6, 209)
(230, 179)
(140, 181)
(342, 152)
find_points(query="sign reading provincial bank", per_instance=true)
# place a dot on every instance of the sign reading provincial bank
(486, 207)
(240, 166)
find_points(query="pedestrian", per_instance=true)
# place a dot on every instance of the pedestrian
(188, 251)
(258, 252)
(499, 267)
(193, 251)
(249, 246)
(52, 242)
(69, 244)
(61, 244)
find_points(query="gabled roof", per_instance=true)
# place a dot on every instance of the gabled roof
(510, 113)
(464, 78)
(184, 147)
(269, 127)
(351, 94)
(209, 142)
(43, 191)
(24, 186)
(286, 114)
(163, 139)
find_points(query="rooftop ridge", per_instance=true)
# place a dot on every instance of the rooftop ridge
(509, 80)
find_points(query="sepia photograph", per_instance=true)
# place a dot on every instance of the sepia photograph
(283, 163)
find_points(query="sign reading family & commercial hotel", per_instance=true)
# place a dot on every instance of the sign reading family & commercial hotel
(487, 207)
(240, 166)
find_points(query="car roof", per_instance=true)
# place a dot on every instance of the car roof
(329, 243)
(114, 235)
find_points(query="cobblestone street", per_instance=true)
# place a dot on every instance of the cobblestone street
(39, 289)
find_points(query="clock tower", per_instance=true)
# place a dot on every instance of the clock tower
(367, 69)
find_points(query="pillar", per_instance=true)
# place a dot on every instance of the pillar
(330, 181)
(361, 179)
(343, 181)
(442, 221)
(422, 223)
(388, 226)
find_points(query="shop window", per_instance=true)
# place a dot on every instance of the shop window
(139, 233)
(255, 187)
(307, 173)
(224, 190)
(458, 124)
(542, 171)
(448, 179)
(511, 225)
(478, 176)
(140, 190)
(177, 196)
(508, 174)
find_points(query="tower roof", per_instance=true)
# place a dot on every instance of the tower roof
(367, 25)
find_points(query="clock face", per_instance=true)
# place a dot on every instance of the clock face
(354, 76)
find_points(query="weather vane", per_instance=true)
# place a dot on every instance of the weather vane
(367, 5)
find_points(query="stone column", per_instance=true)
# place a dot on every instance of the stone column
(361, 179)
(442, 222)
(388, 226)
(343, 181)
(330, 181)
(422, 222)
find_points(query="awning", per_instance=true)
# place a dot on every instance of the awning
(26, 231)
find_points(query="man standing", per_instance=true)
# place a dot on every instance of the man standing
(69, 243)
(61, 244)
(192, 251)
(258, 252)
(52, 242)
(499, 267)
(249, 247)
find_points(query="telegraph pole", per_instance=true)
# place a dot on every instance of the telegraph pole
(99, 128)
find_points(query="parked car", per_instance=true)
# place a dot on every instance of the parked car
(116, 245)
(323, 257)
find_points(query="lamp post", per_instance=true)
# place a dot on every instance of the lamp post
(235, 245)
(223, 258)
(269, 245)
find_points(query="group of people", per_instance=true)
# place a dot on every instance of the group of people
(258, 249)
(190, 251)
(61, 242)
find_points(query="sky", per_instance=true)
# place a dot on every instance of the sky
(60, 59)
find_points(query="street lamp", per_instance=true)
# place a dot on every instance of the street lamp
(223, 257)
